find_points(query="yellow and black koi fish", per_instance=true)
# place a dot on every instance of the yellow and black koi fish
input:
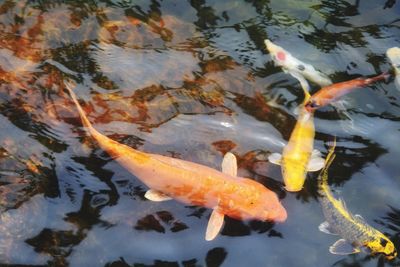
(356, 234)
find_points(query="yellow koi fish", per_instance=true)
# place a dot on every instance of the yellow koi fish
(355, 232)
(194, 184)
(298, 156)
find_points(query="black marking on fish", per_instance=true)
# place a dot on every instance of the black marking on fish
(301, 67)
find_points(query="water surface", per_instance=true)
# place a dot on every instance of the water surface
(192, 80)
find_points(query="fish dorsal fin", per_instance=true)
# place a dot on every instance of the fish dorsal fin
(275, 158)
(229, 164)
(155, 195)
(342, 247)
(215, 224)
(343, 204)
(326, 228)
(315, 164)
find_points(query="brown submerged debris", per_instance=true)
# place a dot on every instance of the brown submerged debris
(224, 146)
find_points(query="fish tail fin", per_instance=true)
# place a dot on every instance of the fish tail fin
(383, 76)
(328, 161)
(331, 156)
(84, 119)
(304, 85)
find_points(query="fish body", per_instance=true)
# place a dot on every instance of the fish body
(289, 63)
(297, 153)
(394, 56)
(298, 156)
(332, 92)
(354, 231)
(194, 184)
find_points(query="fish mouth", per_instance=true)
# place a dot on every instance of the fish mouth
(273, 49)
(281, 216)
(308, 108)
(391, 256)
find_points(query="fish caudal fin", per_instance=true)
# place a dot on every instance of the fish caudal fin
(106, 143)
(342, 247)
(229, 164)
(215, 224)
(304, 85)
(85, 120)
(315, 164)
(331, 156)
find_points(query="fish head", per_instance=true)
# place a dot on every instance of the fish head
(253, 201)
(278, 53)
(268, 205)
(312, 104)
(271, 208)
(382, 245)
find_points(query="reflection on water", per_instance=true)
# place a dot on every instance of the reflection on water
(191, 80)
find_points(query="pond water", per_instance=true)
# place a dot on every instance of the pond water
(191, 80)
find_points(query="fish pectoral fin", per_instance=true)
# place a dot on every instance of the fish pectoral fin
(215, 224)
(315, 153)
(155, 195)
(342, 247)
(315, 164)
(275, 158)
(229, 164)
(326, 228)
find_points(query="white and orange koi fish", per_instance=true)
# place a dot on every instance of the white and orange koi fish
(291, 64)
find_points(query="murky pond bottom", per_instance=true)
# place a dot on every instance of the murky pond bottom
(190, 80)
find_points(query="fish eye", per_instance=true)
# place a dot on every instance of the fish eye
(383, 242)
(301, 67)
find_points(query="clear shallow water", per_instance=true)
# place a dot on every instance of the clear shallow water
(189, 79)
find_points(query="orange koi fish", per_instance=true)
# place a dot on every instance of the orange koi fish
(332, 92)
(194, 184)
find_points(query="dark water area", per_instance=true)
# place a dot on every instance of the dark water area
(191, 80)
